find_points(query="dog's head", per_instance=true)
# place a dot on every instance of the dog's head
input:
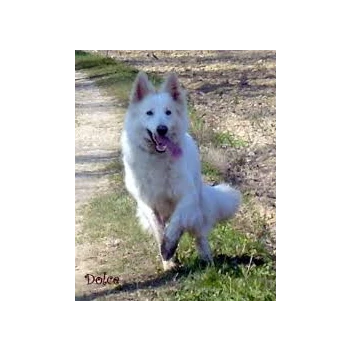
(157, 120)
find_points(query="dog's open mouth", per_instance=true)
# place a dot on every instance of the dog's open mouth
(162, 143)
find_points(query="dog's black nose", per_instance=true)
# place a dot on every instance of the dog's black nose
(162, 130)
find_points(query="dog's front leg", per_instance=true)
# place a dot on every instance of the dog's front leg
(185, 216)
(151, 221)
(170, 243)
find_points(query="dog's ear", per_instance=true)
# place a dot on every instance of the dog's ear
(173, 87)
(142, 87)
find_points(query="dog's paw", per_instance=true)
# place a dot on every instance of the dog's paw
(170, 265)
(167, 248)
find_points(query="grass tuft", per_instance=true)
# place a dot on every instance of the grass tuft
(225, 139)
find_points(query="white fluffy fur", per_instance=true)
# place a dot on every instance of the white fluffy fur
(171, 197)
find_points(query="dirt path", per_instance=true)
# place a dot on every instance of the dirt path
(98, 123)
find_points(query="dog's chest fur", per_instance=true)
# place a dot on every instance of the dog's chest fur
(157, 178)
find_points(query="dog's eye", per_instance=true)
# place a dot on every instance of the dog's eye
(149, 113)
(168, 112)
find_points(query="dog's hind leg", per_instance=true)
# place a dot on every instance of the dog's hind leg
(202, 244)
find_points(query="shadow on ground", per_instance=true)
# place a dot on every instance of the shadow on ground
(108, 158)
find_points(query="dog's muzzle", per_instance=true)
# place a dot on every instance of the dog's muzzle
(160, 142)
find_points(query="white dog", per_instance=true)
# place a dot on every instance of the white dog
(163, 172)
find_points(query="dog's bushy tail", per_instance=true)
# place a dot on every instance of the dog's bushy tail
(223, 200)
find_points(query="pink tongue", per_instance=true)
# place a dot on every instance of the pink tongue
(174, 149)
(161, 140)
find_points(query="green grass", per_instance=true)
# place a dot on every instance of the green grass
(198, 128)
(243, 270)
(243, 267)
(225, 139)
(115, 166)
(227, 282)
(108, 216)
(211, 173)
(111, 218)
(111, 76)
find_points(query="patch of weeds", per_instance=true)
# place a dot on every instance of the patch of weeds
(225, 139)
(107, 216)
(211, 173)
(197, 125)
(235, 102)
(85, 60)
(200, 131)
(117, 180)
(250, 221)
(114, 166)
